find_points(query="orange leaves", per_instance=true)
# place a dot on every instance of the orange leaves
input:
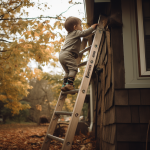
(31, 136)
(3, 97)
(21, 40)
(26, 40)
(28, 46)
(21, 136)
(6, 16)
(39, 107)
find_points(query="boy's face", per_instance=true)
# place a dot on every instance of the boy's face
(78, 26)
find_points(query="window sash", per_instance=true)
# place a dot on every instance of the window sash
(143, 42)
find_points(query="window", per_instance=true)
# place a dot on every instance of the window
(136, 42)
(143, 18)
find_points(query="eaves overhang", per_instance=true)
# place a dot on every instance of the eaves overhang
(89, 9)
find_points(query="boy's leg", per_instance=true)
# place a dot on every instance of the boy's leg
(69, 64)
(61, 60)
(64, 83)
(71, 77)
(65, 80)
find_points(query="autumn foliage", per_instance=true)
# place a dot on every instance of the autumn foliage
(28, 137)
(21, 41)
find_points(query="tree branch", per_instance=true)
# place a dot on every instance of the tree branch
(69, 8)
(7, 57)
(31, 18)
(11, 10)
(5, 50)
(5, 41)
(42, 17)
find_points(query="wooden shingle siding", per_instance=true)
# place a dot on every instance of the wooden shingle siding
(106, 130)
(121, 97)
(109, 134)
(123, 114)
(109, 99)
(132, 146)
(145, 96)
(100, 49)
(117, 47)
(144, 114)
(131, 132)
(108, 146)
(123, 146)
(109, 117)
(135, 118)
(134, 97)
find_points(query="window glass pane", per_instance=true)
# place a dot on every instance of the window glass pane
(146, 22)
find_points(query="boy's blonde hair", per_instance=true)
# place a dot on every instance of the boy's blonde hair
(70, 22)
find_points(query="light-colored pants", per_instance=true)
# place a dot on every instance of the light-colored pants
(68, 62)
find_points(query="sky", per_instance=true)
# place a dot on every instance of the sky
(56, 8)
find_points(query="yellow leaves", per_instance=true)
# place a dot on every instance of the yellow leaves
(36, 34)
(39, 107)
(37, 43)
(16, 106)
(28, 46)
(38, 74)
(53, 64)
(21, 40)
(53, 103)
(70, 2)
(6, 16)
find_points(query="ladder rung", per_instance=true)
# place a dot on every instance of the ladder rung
(82, 64)
(84, 50)
(55, 138)
(63, 113)
(71, 92)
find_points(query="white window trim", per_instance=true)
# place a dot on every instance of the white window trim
(132, 77)
(141, 39)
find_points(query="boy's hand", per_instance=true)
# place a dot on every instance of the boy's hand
(94, 25)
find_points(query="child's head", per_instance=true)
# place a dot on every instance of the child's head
(72, 23)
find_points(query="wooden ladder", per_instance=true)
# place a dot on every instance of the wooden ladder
(67, 142)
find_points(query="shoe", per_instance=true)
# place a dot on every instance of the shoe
(69, 87)
(63, 88)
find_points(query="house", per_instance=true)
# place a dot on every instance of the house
(121, 78)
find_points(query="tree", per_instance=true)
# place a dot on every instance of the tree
(22, 40)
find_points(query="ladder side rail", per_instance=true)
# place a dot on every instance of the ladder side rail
(82, 92)
(53, 121)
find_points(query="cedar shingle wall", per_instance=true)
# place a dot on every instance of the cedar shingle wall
(132, 114)
(106, 129)
(122, 114)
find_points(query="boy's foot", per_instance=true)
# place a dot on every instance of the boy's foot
(63, 88)
(69, 87)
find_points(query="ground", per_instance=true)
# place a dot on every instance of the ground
(29, 136)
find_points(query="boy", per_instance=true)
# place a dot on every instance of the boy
(70, 50)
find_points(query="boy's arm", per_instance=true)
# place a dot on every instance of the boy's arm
(86, 32)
